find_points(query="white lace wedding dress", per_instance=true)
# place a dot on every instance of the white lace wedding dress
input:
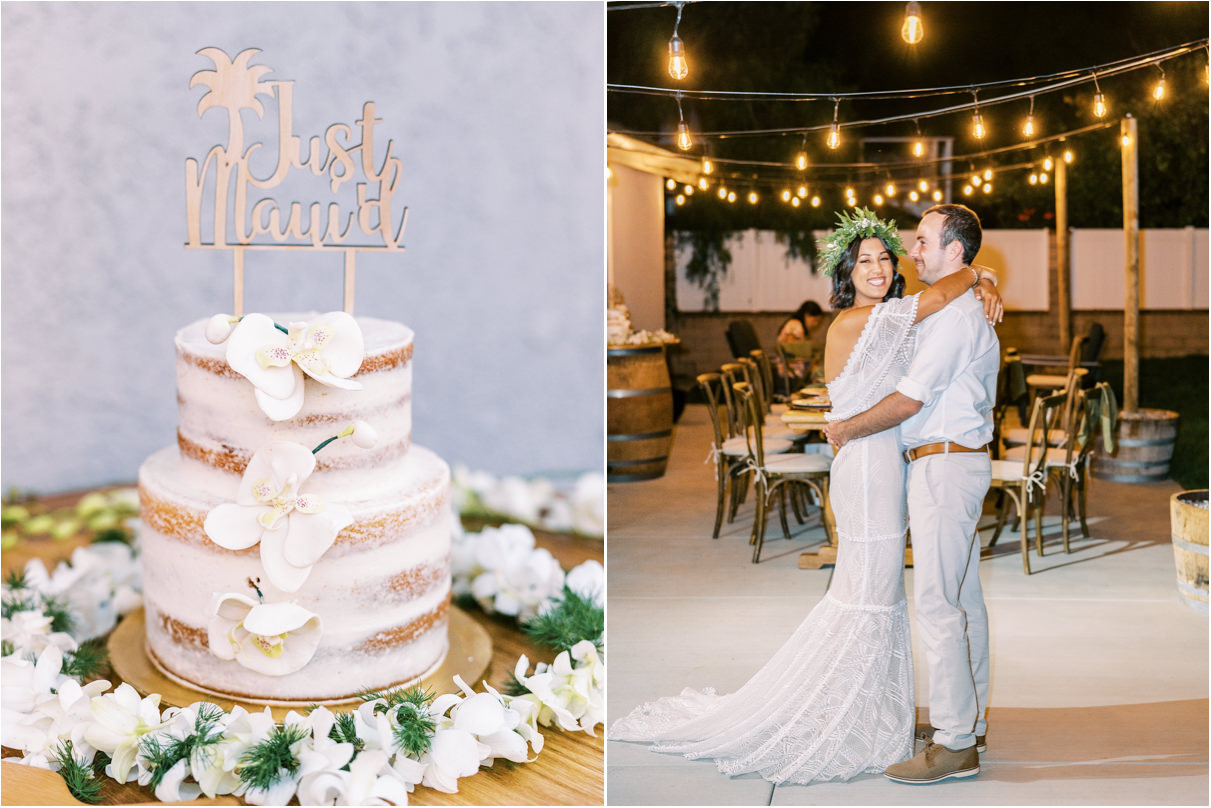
(836, 699)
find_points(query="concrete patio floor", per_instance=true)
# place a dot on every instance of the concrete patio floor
(1099, 670)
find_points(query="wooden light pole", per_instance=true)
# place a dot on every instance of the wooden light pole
(1131, 253)
(1062, 253)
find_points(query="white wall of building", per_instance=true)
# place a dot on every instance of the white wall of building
(636, 249)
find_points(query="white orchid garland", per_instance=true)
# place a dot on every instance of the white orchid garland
(375, 754)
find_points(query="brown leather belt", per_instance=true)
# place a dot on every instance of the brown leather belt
(938, 448)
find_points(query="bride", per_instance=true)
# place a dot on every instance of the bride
(837, 698)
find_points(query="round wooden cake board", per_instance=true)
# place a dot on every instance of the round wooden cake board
(469, 656)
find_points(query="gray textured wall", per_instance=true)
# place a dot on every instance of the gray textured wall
(497, 112)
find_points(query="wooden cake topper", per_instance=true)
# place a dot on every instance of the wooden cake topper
(240, 224)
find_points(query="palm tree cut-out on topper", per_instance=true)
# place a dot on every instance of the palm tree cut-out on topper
(239, 224)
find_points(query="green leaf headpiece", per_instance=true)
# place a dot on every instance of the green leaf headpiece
(862, 224)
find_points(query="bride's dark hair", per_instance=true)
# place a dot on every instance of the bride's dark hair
(843, 281)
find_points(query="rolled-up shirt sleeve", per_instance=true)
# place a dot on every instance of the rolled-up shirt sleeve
(939, 361)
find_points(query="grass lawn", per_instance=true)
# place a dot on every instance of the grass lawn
(1179, 384)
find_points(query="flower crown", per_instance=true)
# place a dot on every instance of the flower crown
(863, 224)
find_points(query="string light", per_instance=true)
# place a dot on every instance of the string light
(786, 195)
(1043, 178)
(707, 165)
(1034, 179)
(987, 173)
(802, 191)
(801, 157)
(1047, 164)
(1126, 139)
(679, 68)
(815, 201)
(878, 199)
(834, 131)
(890, 190)
(670, 183)
(918, 145)
(680, 199)
(1068, 155)
(722, 192)
(923, 186)
(703, 184)
(731, 196)
(977, 120)
(752, 197)
(913, 30)
(937, 195)
(1028, 127)
(1099, 100)
(977, 179)
(967, 190)
(794, 201)
(849, 191)
(684, 141)
(689, 190)
(913, 195)
(988, 187)
(1158, 92)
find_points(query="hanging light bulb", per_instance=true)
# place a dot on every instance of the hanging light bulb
(878, 199)
(913, 195)
(918, 148)
(1099, 100)
(977, 126)
(722, 192)
(913, 30)
(988, 187)
(1034, 178)
(1043, 177)
(815, 201)
(977, 179)
(731, 196)
(849, 191)
(794, 201)
(679, 68)
(801, 160)
(1068, 156)
(786, 195)
(890, 189)
(1028, 127)
(670, 183)
(937, 195)
(1158, 92)
(923, 186)
(967, 190)
(1126, 141)
(752, 197)
(1047, 164)
(703, 184)
(802, 191)
(689, 190)
(987, 173)
(684, 141)
(834, 131)
(680, 199)
(707, 165)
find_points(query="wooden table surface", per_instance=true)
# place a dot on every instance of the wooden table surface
(570, 770)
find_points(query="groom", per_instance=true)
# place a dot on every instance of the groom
(944, 408)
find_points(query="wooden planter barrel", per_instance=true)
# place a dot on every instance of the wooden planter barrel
(639, 413)
(1188, 512)
(1144, 448)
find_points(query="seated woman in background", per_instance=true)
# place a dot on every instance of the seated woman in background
(801, 342)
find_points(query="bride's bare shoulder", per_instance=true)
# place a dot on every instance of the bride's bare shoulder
(847, 325)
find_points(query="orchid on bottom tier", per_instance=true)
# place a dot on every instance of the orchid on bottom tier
(374, 754)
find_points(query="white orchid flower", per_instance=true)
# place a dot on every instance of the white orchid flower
(121, 719)
(572, 696)
(516, 576)
(325, 754)
(527, 708)
(173, 788)
(26, 687)
(588, 581)
(453, 753)
(485, 716)
(214, 770)
(294, 529)
(270, 638)
(329, 349)
(30, 632)
(370, 780)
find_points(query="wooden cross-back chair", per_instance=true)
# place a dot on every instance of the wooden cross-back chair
(773, 475)
(730, 454)
(1024, 477)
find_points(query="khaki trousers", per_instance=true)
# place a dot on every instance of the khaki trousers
(945, 497)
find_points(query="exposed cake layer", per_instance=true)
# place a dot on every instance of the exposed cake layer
(220, 425)
(382, 590)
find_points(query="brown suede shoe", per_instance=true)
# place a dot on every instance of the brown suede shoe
(925, 733)
(935, 763)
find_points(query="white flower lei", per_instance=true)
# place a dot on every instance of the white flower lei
(42, 707)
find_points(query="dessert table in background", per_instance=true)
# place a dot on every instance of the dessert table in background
(570, 770)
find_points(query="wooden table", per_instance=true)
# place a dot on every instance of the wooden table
(805, 421)
(570, 770)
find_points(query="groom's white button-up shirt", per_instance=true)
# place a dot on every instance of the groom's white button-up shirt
(954, 376)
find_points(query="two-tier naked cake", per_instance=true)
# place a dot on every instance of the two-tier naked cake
(280, 565)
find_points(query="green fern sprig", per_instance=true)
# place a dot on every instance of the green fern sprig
(88, 662)
(81, 781)
(262, 765)
(571, 619)
(162, 752)
(15, 579)
(344, 730)
(415, 729)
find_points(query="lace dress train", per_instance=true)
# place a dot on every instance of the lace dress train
(836, 700)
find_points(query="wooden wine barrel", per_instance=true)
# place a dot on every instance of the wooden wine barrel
(1144, 448)
(639, 413)
(1188, 513)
